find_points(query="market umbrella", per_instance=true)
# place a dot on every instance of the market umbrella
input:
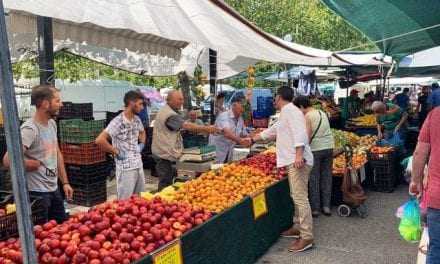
(397, 27)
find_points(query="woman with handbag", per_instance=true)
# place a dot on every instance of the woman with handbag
(322, 144)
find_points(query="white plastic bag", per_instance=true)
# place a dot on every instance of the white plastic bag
(423, 247)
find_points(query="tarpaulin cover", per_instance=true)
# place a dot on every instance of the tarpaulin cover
(422, 63)
(234, 236)
(404, 26)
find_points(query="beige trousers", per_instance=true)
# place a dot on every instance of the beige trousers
(298, 182)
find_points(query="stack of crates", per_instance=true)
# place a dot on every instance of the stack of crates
(384, 169)
(86, 164)
(262, 107)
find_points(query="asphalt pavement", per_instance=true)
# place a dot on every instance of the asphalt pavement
(338, 240)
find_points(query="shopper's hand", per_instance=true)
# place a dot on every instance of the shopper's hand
(299, 163)
(379, 136)
(415, 188)
(212, 129)
(396, 129)
(32, 165)
(246, 142)
(68, 191)
(120, 155)
(141, 147)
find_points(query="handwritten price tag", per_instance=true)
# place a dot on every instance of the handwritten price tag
(259, 204)
(172, 254)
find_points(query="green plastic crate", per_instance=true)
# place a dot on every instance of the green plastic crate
(78, 131)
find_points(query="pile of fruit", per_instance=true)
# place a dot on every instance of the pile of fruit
(339, 163)
(266, 162)
(114, 232)
(9, 209)
(368, 140)
(218, 190)
(343, 138)
(381, 150)
(166, 194)
(329, 108)
(365, 121)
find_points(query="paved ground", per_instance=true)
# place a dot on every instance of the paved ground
(374, 240)
(354, 240)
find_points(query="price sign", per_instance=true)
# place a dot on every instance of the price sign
(172, 254)
(259, 204)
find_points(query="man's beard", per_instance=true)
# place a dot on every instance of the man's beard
(53, 113)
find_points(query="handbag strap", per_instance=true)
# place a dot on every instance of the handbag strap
(317, 128)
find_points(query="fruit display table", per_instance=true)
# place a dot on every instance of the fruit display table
(235, 236)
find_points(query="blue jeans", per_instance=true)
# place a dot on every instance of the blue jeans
(434, 236)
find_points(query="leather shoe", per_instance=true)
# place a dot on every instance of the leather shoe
(291, 233)
(301, 245)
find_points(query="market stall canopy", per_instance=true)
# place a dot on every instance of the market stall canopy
(364, 58)
(422, 63)
(295, 72)
(147, 36)
(98, 29)
(397, 27)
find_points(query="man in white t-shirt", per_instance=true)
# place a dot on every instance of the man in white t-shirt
(127, 135)
(293, 151)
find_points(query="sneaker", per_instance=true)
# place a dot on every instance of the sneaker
(301, 245)
(326, 211)
(291, 233)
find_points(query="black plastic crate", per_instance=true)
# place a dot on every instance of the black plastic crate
(71, 110)
(88, 174)
(8, 223)
(5, 180)
(384, 177)
(110, 115)
(89, 195)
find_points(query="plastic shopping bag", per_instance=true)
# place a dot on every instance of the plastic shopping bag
(395, 140)
(410, 226)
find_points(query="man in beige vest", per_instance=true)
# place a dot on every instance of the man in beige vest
(167, 143)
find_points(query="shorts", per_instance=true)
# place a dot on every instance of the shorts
(129, 182)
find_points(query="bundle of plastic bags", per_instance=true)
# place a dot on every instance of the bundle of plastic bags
(410, 227)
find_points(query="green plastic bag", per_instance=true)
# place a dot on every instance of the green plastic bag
(410, 227)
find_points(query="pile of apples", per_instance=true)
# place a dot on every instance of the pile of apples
(120, 231)
(267, 163)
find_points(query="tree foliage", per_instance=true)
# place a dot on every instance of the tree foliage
(308, 21)
(74, 68)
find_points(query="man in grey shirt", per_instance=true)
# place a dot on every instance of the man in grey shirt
(43, 160)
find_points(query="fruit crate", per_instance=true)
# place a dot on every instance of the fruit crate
(384, 176)
(260, 123)
(110, 115)
(88, 174)
(389, 156)
(8, 223)
(89, 194)
(82, 154)
(5, 180)
(71, 110)
(3, 146)
(78, 131)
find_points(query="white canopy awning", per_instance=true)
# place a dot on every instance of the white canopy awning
(425, 58)
(152, 36)
(149, 35)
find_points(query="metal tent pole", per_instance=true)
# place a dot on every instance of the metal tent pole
(13, 140)
(45, 50)
(212, 80)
